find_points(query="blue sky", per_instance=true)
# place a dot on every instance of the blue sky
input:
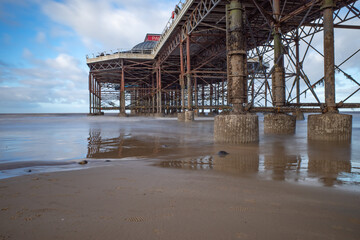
(43, 45)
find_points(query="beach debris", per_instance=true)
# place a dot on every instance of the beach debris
(107, 160)
(222, 153)
(83, 162)
(29, 170)
(164, 146)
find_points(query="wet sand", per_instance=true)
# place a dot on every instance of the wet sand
(161, 179)
(134, 200)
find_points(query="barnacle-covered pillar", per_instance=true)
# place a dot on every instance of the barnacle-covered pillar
(329, 126)
(278, 123)
(240, 126)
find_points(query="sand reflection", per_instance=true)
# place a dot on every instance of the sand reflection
(244, 161)
(328, 160)
(125, 145)
(281, 162)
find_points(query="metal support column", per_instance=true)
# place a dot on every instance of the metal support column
(196, 95)
(297, 50)
(203, 98)
(241, 126)
(160, 91)
(90, 76)
(211, 96)
(153, 93)
(157, 90)
(223, 93)
(188, 75)
(93, 96)
(329, 55)
(237, 60)
(278, 76)
(158, 84)
(182, 81)
(99, 98)
(122, 91)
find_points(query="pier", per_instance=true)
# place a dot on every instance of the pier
(232, 59)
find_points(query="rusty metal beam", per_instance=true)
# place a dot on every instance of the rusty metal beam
(341, 26)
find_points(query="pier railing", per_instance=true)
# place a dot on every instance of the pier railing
(117, 51)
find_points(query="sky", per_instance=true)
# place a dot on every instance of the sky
(44, 43)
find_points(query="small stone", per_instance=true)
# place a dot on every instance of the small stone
(222, 153)
(107, 161)
(29, 170)
(83, 162)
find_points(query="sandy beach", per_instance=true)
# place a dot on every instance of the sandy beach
(160, 179)
(135, 200)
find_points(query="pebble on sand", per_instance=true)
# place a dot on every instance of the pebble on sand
(83, 162)
(222, 153)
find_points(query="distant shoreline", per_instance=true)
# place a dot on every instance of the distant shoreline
(106, 114)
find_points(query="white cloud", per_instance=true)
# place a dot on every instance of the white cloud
(40, 37)
(110, 24)
(59, 80)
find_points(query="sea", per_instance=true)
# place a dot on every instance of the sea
(43, 143)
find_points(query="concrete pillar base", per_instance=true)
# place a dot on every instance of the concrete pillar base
(299, 115)
(122, 115)
(330, 127)
(159, 115)
(181, 116)
(279, 123)
(243, 128)
(189, 116)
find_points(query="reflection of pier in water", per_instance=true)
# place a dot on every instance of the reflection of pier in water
(283, 164)
(279, 159)
(244, 161)
(123, 146)
(158, 143)
(328, 160)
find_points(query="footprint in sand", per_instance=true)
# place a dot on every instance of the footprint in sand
(158, 231)
(242, 236)
(4, 237)
(253, 201)
(135, 219)
(239, 209)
